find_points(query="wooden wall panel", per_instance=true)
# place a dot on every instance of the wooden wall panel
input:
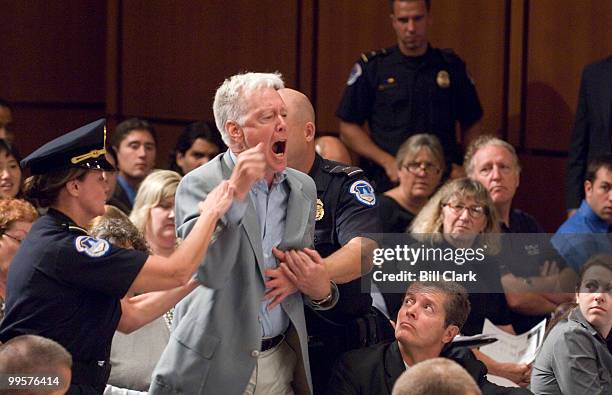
(175, 54)
(346, 29)
(38, 125)
(540, 192)
(564, 36)
(53, 51)
(52, 68)
(166, 139)
(476, 34)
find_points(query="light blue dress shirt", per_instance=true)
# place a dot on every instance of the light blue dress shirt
(271, 207)
(582, 236)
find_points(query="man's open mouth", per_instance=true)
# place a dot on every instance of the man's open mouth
(279, 148)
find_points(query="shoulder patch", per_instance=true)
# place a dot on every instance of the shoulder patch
(363, 192)
(348, 170)
(356, 72)
(91, 246)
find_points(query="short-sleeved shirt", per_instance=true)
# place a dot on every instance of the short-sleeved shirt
(346, 208)
(400, 96)
(393, 217)
(66, 286)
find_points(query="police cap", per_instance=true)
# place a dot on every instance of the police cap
(84, 147)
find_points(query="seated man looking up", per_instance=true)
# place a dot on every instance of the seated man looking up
(431, 316)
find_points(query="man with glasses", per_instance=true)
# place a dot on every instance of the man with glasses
(406, 89)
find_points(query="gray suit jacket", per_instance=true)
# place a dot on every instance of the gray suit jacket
(217, 334)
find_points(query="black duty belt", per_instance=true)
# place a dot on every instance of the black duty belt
(271, 342)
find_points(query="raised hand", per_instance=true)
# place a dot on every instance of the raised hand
(250, 168)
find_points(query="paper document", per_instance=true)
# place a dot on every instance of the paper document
(513, 348)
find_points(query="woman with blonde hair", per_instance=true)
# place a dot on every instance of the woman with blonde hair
(461, 215)
(153, 211)
(134, 356)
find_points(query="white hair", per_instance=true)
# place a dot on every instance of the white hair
(230, 103)
(483, 141)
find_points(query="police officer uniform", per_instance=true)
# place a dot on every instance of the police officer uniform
(346, 208)
(401, 96)
(64, 284)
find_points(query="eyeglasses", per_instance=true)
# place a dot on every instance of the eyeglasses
(475, 212)
(18, 240)
(427, 167)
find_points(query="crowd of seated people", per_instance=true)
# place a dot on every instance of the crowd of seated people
(426, 198)
(457, 213)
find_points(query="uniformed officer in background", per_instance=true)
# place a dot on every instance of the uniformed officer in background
(404, 90)
(346, 219)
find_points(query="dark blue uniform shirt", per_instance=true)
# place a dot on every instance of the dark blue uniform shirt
(65, 285)
(400, 96)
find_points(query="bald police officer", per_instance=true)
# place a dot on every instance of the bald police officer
(346, 216)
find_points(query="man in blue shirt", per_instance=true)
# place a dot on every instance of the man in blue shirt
(586, 233)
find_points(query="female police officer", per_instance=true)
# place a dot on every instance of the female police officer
(66, 285)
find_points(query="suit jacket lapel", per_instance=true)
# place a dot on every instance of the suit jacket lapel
(394, 365)
(250, 222)
(297, 216)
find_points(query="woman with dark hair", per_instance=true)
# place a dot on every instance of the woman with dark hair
(10, 172)
(66, 285)
(575, 358)
(199, 143)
